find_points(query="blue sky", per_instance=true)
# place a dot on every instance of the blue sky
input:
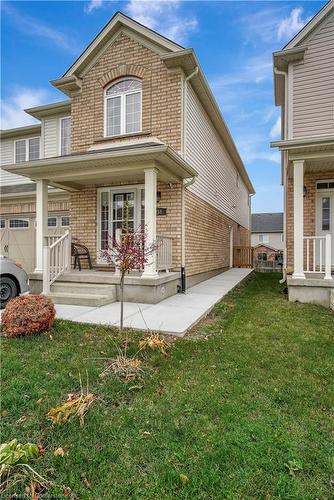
(233, 41)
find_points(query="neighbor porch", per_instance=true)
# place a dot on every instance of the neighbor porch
(310, 220)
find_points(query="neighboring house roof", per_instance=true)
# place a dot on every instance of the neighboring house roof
(20, 131)
(311, 25)
(263, 245)
(50, 109)
(294, 50)
(267, 223)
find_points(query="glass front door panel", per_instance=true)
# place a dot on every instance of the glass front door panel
(123, 213)
(104, 220)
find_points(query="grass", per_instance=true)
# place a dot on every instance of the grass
(240, 409)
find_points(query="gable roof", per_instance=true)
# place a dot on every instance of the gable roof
(267, 223)
(311, 25)
(119, 20)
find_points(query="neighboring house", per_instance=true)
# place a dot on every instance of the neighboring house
(140, 128)
(267, 237)
(304, 88)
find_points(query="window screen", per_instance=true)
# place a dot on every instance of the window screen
(65, 136)
(20, 151)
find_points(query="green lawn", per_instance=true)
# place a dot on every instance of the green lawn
(234, 407)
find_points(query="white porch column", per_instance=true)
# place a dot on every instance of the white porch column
(298, 219)
(41, 221)
(151, 218)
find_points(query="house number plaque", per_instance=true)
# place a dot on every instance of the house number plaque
(161, 211)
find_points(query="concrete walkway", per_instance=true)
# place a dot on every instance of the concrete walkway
(175, 315)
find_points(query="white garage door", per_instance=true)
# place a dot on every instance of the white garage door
(17, 237)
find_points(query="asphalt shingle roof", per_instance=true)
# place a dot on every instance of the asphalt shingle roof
(267, 223)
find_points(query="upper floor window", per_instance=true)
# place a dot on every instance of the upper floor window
(123, 107)
(27, 149)
(65, 135)
(263, 238)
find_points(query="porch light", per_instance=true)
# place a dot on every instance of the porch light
(158, 196)
(305, 191)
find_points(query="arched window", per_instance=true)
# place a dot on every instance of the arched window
(123, 107)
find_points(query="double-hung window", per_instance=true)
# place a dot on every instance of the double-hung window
(65, 136)
(27, 149)
(123, 103)
(263, 238)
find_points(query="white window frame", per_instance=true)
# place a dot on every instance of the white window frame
(123, 107)
(53, 217)
(18, 228)
(61, 221)
(27, 147)
(265, 238)
(114, 190)
(59, 133)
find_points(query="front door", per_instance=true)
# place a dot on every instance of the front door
(118, 207)
(325, 211)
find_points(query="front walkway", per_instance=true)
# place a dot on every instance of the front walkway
(175, 315)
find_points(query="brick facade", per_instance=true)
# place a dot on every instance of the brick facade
(310, 179)
(271, 254)
(84, 222)
(208, 236)
(207, 232)
(161, 94)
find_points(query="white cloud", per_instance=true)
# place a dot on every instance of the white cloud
(12, 110)
(275, 131)
(36, 28)
(290, 25)
(254, 147)
(164, 17)
(92, 5)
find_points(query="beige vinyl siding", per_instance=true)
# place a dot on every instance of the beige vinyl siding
(275, 240)
(217, 179)
(313, 85)
(7, 158)
(50, 134)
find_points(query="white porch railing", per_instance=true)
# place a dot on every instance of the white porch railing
(318, 258)
(56, 259)
(164, 253)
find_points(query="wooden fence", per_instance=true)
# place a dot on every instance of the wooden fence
(243, 256)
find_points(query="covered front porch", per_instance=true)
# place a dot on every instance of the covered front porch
(101, 183)
(310, 219)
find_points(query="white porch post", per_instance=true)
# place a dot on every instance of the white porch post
(151, 218)
(41, 221)
(298, 219)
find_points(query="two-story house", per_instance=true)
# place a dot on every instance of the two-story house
(267, 237)
(141, 129)
(304, 88)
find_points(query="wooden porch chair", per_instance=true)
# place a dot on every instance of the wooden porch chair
(80, 252)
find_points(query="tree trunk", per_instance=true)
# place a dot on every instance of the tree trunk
(122, 302)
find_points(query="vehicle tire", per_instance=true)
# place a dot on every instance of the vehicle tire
(8, 290)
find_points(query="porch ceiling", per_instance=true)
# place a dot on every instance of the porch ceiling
(108, 165)
(317, 152)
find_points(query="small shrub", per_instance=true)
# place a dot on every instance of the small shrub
(27, 315)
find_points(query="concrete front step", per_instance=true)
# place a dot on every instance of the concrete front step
(82, 299)
(83, 288)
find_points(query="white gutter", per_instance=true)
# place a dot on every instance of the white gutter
(285, 136)
(184, 184)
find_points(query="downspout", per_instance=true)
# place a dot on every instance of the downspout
(285, 136)
(184, 186)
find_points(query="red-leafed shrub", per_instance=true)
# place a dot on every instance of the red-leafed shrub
(27, 315)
